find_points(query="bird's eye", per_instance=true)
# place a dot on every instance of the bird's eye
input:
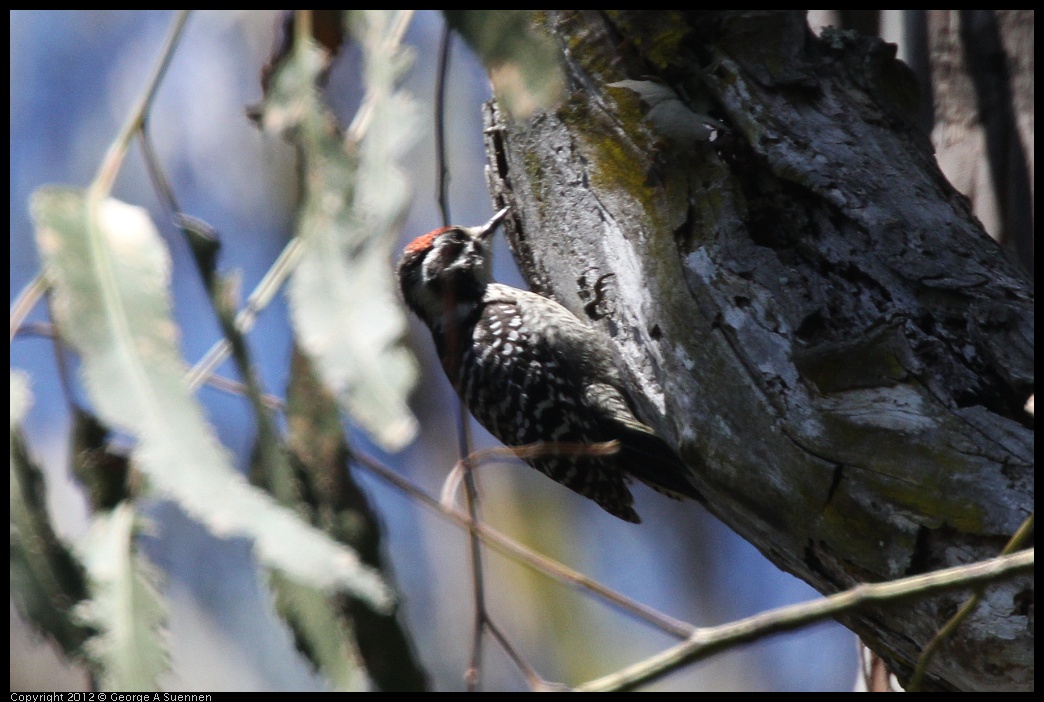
(453, 241)
(456, 236)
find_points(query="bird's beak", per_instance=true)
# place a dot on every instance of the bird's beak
(487, 228)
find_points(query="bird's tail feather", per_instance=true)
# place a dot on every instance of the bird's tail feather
(648, 458)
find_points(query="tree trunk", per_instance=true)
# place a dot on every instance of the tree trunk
(803, 305)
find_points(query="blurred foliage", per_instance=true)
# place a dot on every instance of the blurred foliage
(522, 60)
(129, 652)
(108, 273)
(342, 292)
(46, 579)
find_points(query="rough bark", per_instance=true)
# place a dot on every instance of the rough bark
(804, 306)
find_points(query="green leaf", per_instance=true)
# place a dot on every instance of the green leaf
(130, 650)
(110, 274)
(21, 397)
(322, 632)
(344, 306)
(325, 630)
(522, 61)
(46, 579)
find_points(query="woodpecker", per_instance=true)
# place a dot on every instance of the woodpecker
(530, 371)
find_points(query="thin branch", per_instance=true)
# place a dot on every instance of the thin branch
(475, 548)
(44, 330)
(302, 28)
(537, 449)
(110, 165)
(25, 302)
(710, 640)
(218, 382)
(361, 122)
(287, 261)
(536, 683)
(481, 616)
(441, 168)
(258, 300)
(160, 183)
(1021, 537)
(522, 554)
(234, 387)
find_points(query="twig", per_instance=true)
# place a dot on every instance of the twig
(361, 122)
(1021, 536)
(536, 683)
(160, 183)
(258, 300)
(25, 302)
(110, 165)
(707, 641)
(540, 563)
(475, 550)
(481, 616)
(440, 124)
(537, 449)
(218, 382)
